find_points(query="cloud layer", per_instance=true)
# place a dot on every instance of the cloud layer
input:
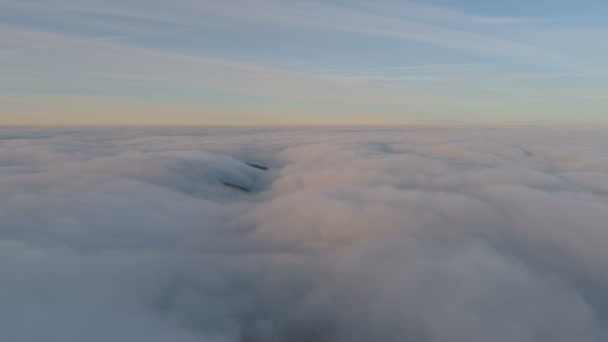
(418, 233)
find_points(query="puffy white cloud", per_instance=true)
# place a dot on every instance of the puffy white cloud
(420, 233)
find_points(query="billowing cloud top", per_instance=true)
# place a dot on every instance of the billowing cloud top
(409, 234)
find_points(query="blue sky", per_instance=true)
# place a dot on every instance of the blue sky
(245, 62)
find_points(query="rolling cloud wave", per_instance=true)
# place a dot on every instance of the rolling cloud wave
(422, 233)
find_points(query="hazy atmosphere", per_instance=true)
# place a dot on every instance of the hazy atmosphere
(292, 62)
(303, 171)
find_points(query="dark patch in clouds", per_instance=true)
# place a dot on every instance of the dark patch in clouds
(409, 234)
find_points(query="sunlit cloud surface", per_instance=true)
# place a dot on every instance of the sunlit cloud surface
(426, 233)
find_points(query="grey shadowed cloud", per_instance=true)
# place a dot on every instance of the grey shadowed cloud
(352, 234)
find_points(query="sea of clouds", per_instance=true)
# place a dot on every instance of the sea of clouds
(422, 233)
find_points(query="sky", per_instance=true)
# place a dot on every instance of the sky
(293, 62)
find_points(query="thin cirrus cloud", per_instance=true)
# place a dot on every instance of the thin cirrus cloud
(407, 60)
